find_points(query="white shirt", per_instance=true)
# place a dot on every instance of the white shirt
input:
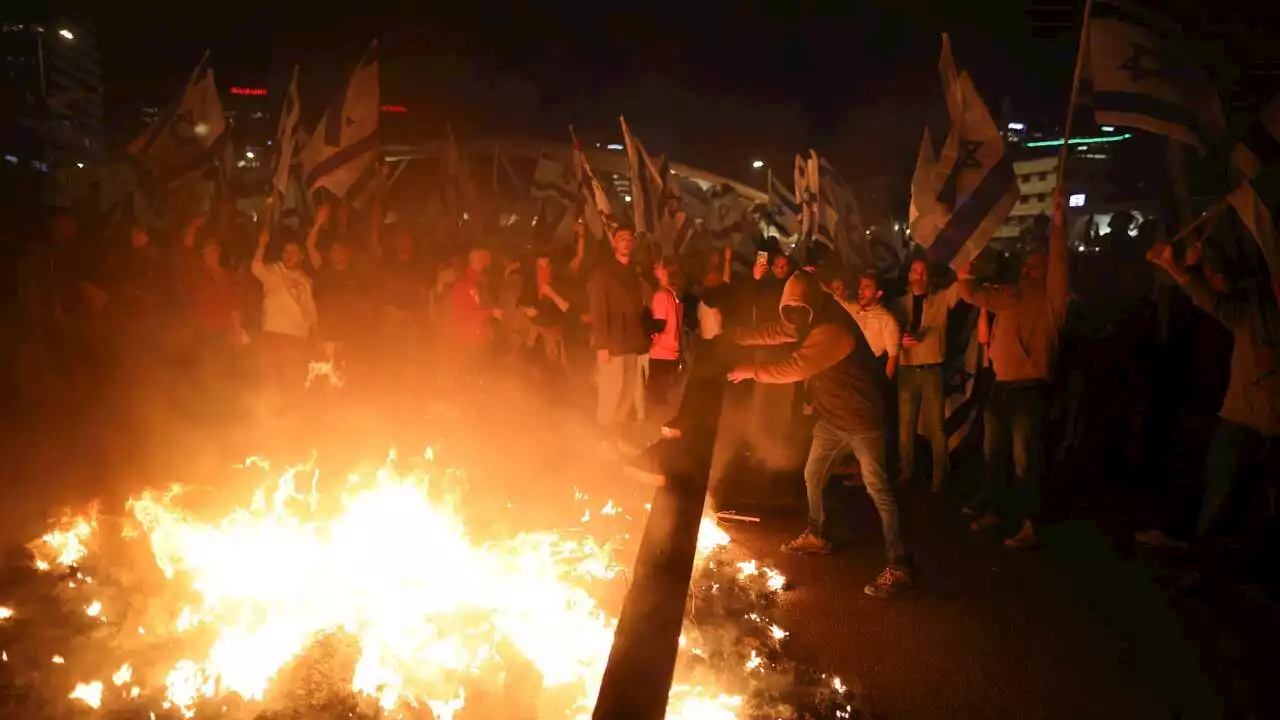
(880, 328)
(288, 306)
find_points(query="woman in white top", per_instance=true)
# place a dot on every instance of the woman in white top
(288, 314)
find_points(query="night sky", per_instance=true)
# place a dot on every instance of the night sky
(711, 82)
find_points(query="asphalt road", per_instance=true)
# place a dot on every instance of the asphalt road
(1081, 628)
(1072, 630)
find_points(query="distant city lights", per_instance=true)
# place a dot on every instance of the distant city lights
(626, 198)
(257, 92)
(614, 146)
(1076, 200)
(1080, 141)
(1017, 126)
(757, 164)
(67, 34)
(249, 154)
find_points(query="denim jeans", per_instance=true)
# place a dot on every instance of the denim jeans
(828, 445)
(920, 406)
(1014, 422)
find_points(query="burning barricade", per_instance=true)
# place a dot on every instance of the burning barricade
(367, 596)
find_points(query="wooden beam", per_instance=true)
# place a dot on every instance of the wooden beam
(637, 680)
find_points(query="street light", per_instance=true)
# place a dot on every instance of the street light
(757, 164)
(248, 154)
(67, 34)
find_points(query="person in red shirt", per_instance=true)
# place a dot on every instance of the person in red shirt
(664, 346)
(470, 313)
(212, 292)
(212, 298)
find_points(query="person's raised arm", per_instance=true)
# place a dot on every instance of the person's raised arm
(1226, 309)
(1057, 276)
(188, 260)
(580, 236)
(313, 236)
(555, 297)
(257, 266)
(825, 346)
(951, 296)
(727, 271)
(989, 297)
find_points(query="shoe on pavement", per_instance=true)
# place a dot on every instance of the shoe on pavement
(986, 522)
(807, 544)
(1157, 539)
(892, 582)
(1025, 539)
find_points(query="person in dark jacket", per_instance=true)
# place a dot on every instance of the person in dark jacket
(1249, 427)
(619, 332)
(846, 384)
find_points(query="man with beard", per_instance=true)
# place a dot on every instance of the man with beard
(288, 313)
(619, 331)
(922, 314)
(847, 387)
(340, 291)
(1024, 352)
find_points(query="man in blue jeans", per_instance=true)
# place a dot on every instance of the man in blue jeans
(846, 385)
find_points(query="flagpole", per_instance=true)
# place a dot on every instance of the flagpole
(1075, 94)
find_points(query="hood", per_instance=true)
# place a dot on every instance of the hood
(803, 290)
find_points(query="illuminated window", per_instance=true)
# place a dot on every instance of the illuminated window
(1076, 200)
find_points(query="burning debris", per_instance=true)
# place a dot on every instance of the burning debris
(371, 600)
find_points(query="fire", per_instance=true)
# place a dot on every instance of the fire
(383, 566)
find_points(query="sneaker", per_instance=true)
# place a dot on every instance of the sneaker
(986, 522)
(1157, 539)
(1025, 539)
(807, 544)
(892, 582)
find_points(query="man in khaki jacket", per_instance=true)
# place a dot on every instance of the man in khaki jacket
(922, 315)
(1024, 352)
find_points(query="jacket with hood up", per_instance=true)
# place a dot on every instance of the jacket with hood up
(845, 380)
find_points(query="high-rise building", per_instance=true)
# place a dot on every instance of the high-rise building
(52, 92)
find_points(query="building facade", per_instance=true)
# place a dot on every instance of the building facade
(1090, 177)
(53, 95)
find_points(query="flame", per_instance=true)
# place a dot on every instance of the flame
(323, 369)
(386, 563)
(88, 693)
(5, 613)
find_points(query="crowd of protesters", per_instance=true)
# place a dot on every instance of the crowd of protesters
(232, 301)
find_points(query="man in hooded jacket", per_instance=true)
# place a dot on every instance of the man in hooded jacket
(846, 386)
